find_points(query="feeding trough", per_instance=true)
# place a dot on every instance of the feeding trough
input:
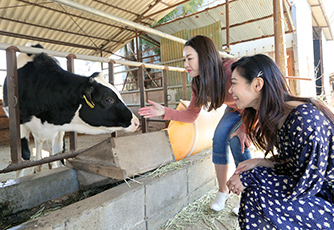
(126, 156)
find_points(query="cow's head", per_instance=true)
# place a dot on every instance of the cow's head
(103, 107)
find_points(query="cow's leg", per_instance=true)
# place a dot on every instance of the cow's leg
(57, 146)
(25, 150)
(25, 142)
(38, 146)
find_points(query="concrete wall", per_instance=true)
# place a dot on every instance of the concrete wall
(145, 204)
(31, 191)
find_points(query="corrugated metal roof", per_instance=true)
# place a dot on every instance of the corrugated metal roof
(320, 18)
(61, 28)
(248, 19)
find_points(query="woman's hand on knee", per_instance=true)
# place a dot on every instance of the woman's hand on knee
(244, 141)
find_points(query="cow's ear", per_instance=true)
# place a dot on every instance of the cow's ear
(87, 95)
(91, 80)
(94, 75)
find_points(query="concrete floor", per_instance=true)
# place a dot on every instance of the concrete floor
(229, 220)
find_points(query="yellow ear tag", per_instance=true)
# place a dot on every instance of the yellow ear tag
(90, 104)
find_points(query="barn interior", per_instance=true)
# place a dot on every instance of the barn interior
(95, 31)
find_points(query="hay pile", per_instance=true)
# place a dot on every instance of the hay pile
(198, 215)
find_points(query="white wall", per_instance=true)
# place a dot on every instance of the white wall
(303, 47)
(265, 45)
(327, 63)
(301, 41)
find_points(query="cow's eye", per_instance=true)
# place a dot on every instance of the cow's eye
(110, 100)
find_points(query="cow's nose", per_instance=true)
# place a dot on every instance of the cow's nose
(136, 122)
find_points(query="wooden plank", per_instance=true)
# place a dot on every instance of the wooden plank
(141, 153)
(108, 171)
(126, 156)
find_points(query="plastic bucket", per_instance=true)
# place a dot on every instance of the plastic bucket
(190, 138)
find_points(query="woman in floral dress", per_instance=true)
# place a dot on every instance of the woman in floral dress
(294, 187)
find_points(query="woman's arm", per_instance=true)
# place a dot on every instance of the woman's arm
(188, 116)
(253, 163)
(234, 184)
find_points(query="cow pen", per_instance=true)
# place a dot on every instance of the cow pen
(13, 94)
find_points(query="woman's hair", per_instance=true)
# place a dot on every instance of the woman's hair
(262, 125)
(209, 86)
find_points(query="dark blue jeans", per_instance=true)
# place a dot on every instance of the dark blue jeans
(222, 141)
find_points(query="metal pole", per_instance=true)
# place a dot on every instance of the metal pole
(13, 104)
(111, 81)
(32, 50)
(165, 90)
(111, 72)
(142, 95)
(73, 135)
(27, 164)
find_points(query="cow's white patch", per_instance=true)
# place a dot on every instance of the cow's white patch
(100, 79)
(23, 59)
(6, 110)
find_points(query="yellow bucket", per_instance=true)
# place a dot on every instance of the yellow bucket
(190, 138)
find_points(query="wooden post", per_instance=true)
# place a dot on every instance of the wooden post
(280, 47)
(227, 11)
(142, 96)
(73, 135)
(13, 105)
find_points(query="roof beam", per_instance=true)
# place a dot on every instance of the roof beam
(54, 29)
(168, 8)
(127, 11)
(140, 27)
(77, 16)
(140, 17)
(24, 36)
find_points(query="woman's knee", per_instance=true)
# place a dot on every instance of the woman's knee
(238, 155)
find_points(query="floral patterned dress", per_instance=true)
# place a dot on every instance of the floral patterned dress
(298, 194)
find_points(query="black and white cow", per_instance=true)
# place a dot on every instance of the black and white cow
(52, 101)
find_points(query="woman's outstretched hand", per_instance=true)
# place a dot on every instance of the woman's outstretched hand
(155, 110)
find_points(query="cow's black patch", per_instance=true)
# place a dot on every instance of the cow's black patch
(25, 149)
(54, 95)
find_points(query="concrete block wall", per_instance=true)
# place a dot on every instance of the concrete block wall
(146, 203)
(20, 194)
